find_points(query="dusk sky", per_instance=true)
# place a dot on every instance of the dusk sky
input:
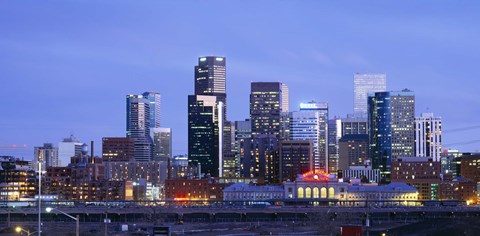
(66, 66)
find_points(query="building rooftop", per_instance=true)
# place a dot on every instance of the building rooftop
(393, 187)
(253, 188)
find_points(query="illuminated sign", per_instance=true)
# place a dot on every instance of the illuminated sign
(203, 59)
(316, 176)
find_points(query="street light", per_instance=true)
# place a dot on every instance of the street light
(77, 219)
(19, 229)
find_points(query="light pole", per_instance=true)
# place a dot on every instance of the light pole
(40, 195)
(77, 219)
(19, 229)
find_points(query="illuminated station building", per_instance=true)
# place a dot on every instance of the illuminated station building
(319, 186)
(315, 185)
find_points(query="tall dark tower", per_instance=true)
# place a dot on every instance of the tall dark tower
(207, 116)
(210, 78)
(266, 104)
(203, 133)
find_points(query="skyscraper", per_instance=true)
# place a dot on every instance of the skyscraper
(295, 157)
(162, 144)
(266, 104)
(365, 84)
(138, 126)
(48, 154)
(154, 104)
(257, 157)
(285, 98)
(311, 123)
(210, 78)
(391, 128)
(230, 162)
(203, 133)
(428, 136)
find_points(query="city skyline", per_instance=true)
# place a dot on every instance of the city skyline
(78, 86)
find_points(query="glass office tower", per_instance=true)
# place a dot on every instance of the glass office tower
(310, 123)
(364, 84)
(203, 133)
(391, 128)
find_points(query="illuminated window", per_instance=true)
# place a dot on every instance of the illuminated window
(308, 192)
(316, 193)
(323, 192)
(331, 192)
(300, 193)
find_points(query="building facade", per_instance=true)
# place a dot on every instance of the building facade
(428, 136)
(315, 185)
(266, 104)
(353, 150)
(211, 78)
(470, 166)
(117, 149)
(154, 105)
(17, 179)
(48, 154)
(423, 173)
(391, 128)
(203, 134)
(295, 157)
(138, 126)
(394, 194)
(311, 123)
(67, 149)
(363, 173)
(247, 192)
(257, 157)
(364, 84)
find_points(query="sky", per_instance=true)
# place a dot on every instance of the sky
(66, 66)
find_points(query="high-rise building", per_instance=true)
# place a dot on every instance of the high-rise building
(353, 150)
(117, 149)
(69, 148)
(285, 118)
(334, 134)
(257, 157)
(48, 154)
(311, 123)
(266, 104)
(295, 157)
(285, 98)
(428, 136)
(207, 117)
(203, 133)
(162, 144)
(231, 165)
(154, 104)
(391, 128)
(365, 84)
(354, 125)
(210, 78)
(138, 126)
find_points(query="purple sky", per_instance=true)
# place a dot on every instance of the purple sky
(66, 66)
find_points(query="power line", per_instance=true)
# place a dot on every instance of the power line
(462, 143)
(462, 129)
